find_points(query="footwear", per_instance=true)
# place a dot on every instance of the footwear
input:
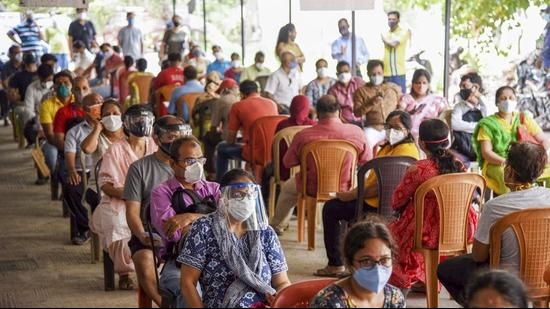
(278, 231)
(81, 240)
(41, 181)
(125, 283)
(325, 273)
(6, 122)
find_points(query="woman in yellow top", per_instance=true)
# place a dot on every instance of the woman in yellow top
(493, 136)
(286, 42)
(399, 143)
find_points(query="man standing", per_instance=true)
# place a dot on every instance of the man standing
(395, 43)
(375, 101)
(130, 38)
(29, 35)
(342, 50)
(243, 114)
(8, 69)
(285, 83)
(343, 91)
(257, 69)
(82, 30)
(58, 45)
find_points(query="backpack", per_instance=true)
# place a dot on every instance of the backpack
(462, 140)
(199, 205)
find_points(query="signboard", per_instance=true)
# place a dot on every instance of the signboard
(55, 3)
(340, 5)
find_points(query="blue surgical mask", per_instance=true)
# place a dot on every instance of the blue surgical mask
(373, 279)
(131, 21)
(293, 65)
(63, 91)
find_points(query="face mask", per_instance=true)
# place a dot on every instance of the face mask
(63, 91)
(177, 23)
(507, 106)
(82, 16)
(322, 72)
(395, 137)
(259, 65)
(241, 210)
(344, 78)
(376, 80)
(196, 53)
(165, 147)
(465, 93)
(194, 173)
(374, 279)
(112, 123)
(30, 20)
(131, 22)
(218, 56)
(47, 85)
(19, 57)
(424, 89)
(293, 65)
(108, 54)
(546, 17)
(140, 129)
(392, 24)
(235, 63)
(95, 111)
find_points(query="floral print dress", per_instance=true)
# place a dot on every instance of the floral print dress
(334, 296)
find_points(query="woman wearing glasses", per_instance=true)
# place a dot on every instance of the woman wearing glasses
(233, 253)
(368, 250)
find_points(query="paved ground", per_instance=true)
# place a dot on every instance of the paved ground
(40, 268)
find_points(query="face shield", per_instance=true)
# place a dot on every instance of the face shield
(242, 202)
(168, 134)
(140, 124)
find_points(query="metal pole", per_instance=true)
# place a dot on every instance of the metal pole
(204, 22)
(446, 76)
(290, 11)
(242, 31)
(174, 6)
(353, 45)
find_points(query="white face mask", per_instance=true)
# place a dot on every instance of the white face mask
(47, 85)
(109, 54)
(322, 72)
(395, 137)
(19, 57)
(259, 65)
(218, 55)
(112, 123)
(344, 78)
(241, 210)
(235, 64)
(377, 80)
(194, 173)
(507, 106)
(82, 16)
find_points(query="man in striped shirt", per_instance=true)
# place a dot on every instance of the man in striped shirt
(29, 35)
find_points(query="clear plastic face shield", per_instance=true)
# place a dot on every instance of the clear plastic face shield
(141, 124)
(243, 202)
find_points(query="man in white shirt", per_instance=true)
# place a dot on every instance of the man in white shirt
(83, 59)
(285, 83)
(35, 92)
(525, 164)
(130, 38)
(342, 50)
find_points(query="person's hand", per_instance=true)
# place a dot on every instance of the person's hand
(145, 240)
(378, 100)
(418, 109)
(178, 222)
(343, 49)
(346, 196)
(74, 178)
(270, 300)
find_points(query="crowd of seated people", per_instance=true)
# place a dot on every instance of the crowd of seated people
(168, 196)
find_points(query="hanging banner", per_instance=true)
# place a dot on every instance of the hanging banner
(81, 4)
(340, 5)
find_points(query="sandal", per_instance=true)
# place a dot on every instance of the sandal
(323, 272)
(125, 283)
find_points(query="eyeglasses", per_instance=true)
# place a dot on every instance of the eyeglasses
(191, 161)
(240, 195)
(369, 263)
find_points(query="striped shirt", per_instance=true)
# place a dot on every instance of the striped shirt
(394, 57)
(29, 34)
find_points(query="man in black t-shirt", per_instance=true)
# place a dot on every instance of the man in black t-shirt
(21, 80)
(8, 69)
(82, 30)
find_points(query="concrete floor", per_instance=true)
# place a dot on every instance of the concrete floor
(40, 268)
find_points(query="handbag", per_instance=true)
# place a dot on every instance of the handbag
(523, 133)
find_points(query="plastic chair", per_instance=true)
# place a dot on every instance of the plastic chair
(532, 229)
(300, 294)
(329, 157)
(389, 172)
(163, 94)
(454, 194)
(286, 135)
(139, 86)
(262, 133)
(188, 99)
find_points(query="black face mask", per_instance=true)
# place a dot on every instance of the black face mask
(140, 129)
(165, 147)
(465, 93)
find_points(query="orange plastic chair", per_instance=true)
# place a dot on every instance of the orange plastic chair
(454, 194)
(162, 94)
(262, 133)
(532, 230)
(144, 301)
(329, 157)
(188, 99)
(286, 135)
(300, 294)
(140, 86)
